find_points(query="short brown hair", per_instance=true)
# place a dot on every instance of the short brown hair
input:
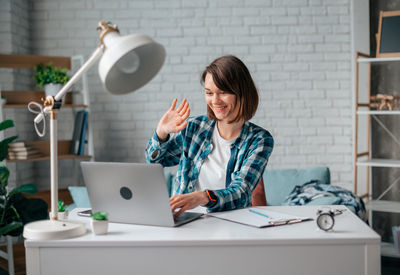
(232, 76)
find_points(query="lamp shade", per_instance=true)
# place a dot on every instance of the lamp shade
(129, 62)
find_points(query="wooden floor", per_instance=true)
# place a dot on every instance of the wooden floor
(19, 259)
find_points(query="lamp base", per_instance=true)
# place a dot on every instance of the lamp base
(53, 230)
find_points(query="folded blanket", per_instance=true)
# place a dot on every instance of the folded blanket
(313, 191)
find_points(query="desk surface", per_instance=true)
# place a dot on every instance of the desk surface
(348, 229)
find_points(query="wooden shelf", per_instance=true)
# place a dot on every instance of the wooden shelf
(25, 106)
(388, 250)
(48, 158)
(377, 59)
(384, 206)
(20, 61)
(378, 112)
(44, 148)
(20, 99)
(379, 163)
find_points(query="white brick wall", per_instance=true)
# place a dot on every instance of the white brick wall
(297, 50)
(14, 20)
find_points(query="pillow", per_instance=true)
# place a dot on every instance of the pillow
(279, 183)
(80, 196)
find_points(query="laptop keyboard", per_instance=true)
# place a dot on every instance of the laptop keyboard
(186, 216)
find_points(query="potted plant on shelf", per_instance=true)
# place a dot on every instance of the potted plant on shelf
(50, 77)
(62, 210)
(99, 223)
(11, 220)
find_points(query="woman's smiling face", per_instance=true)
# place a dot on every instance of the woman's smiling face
(222, 103)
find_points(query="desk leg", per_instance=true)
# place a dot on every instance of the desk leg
(32, 261)
(373, 259)
(10, 254)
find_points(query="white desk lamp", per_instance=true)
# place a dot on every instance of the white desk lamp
(127, 63)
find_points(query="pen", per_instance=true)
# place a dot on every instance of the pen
(258, 213)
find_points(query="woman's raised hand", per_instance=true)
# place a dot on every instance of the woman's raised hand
(173, 120)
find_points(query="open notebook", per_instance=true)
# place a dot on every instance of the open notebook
(258, 217)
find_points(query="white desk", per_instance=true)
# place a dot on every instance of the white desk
(213, 246)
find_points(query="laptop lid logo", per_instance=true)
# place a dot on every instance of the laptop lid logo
(126, 193)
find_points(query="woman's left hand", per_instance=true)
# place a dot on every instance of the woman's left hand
(187, 201)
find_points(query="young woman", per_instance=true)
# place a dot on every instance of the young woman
(221, 156)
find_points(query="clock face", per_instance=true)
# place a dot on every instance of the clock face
(325, 221)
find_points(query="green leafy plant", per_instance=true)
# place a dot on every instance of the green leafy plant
(61, 206)
(10, 219)
(49, 74)
(100, 216)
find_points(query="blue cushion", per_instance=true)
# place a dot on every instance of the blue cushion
(80, 196)
(279, 183)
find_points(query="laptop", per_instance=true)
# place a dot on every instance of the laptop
(131, 193)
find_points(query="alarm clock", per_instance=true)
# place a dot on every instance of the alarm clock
(326, 218)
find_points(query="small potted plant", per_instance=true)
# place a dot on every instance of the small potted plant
(62, 210)
(99, 223)
(50, 77)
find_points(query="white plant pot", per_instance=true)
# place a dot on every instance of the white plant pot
(61, 215)
(52, 89)
(99, 227)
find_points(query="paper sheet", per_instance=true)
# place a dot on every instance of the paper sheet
(246, 216)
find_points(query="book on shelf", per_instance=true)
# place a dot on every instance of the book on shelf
(77, 133)
(84, 130)
(18, 144)
(19, 150)
(12, 156)
(26, 151)
(33, 153)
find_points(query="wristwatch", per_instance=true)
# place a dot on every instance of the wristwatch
(212, 198)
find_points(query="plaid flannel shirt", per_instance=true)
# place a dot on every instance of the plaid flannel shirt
(190, 147)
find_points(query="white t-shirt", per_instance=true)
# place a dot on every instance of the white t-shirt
(213, 170)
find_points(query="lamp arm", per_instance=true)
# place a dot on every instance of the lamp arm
(98, 52)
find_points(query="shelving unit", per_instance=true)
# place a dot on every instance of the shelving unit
(364, 158)
(20, 100)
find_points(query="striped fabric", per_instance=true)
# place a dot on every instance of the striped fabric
(190, 147)
(315, 189)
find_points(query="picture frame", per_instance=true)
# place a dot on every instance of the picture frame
(388, 36)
